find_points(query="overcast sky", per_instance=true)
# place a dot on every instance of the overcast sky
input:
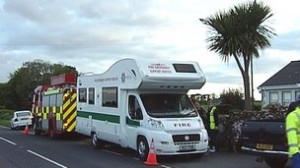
(91, 35)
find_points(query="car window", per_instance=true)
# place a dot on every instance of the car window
(23, 114)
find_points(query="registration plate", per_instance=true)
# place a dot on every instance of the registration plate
(187, 147)
(264, 146)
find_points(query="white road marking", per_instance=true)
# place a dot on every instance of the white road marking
(8, 141)
(4, 127)
(43, 157)
(135, 158)
(111, 152)
(163, 166)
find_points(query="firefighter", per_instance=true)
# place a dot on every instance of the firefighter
(213, 122)
(292, 125)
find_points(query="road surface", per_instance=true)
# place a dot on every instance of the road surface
(21, 151)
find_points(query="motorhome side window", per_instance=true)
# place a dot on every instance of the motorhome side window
(110, 97)
(82, 95)
(91, 95)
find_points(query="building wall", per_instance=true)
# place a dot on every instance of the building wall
(279, 96)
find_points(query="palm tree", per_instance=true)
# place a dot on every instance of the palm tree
(240, 33)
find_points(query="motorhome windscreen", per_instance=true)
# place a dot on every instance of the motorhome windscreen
(168, 105)
(186, 68)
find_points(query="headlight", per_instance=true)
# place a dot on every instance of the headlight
(156, 124)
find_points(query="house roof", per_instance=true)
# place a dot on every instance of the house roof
(288, 75)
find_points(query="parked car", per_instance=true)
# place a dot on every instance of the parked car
(266, 138)
(21, 119)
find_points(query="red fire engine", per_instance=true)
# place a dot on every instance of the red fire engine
(54, 106)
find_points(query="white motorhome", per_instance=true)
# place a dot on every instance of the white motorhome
(135, 103)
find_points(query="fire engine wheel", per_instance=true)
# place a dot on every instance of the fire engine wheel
(142, 148)
(95, 141)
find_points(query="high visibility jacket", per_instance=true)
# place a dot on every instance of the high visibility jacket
(292, 126)
(212, 122)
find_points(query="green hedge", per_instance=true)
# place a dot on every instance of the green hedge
(5, 116)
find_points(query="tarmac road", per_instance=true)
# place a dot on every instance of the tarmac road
(21, 151)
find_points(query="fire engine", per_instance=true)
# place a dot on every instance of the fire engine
(54, 106)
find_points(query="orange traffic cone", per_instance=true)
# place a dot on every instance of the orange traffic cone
(26, 130)
(151, 159)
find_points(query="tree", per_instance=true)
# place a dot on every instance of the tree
(240, 33)
(24, 80)
(232, 97)
(4, 94)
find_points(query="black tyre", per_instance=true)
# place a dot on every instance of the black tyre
(142, 148)
(95, 141)
(12, 127)
(275, 162)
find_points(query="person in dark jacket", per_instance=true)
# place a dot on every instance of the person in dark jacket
(212, 125)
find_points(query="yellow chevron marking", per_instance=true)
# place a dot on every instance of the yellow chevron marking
(74, 96)
(66, 104)
(72, 117)
(71, 127)
(69, 110)
(53, 109)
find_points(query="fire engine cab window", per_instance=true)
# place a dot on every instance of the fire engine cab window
(59, 99)
(82, 95)
(91, 95)
(45, 100)
(110, 97)
(52, 100)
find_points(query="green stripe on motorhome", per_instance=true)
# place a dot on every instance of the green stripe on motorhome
(99, 116)
(132, 122)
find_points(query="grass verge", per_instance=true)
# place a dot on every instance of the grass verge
(5, 116)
